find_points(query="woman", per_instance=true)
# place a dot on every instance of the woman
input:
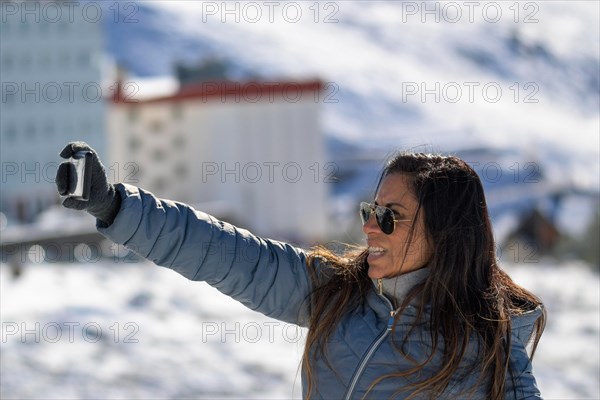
(423, 312)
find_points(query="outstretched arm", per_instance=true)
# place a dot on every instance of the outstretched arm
(267, 276)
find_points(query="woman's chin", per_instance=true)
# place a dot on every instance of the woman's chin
(375, 273)
(376, 266)
(375, 257)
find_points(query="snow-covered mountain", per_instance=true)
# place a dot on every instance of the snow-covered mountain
(522, 76)
(513, 88)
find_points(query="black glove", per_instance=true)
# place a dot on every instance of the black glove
(104, 202)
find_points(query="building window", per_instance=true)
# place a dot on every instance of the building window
(84, 59)
(179, 142)
(30, 130)
(158, 155)
(156, 127)
(44, 61)
(7, 62)
(49, 128)
(11, 133)
(181, 171)
(135, 144)
(133, 114)
(159, 185)
(86, 126)
(177, 111)
(64, 59)
(63, 26)
(44, 25)
(99, 124)
(24, 27)
(68, 128)
(26, 61)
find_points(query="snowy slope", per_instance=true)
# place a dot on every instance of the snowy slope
(374, 53)
(136, 331)
(149, 334)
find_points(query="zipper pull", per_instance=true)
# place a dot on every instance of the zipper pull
(391, 320)
(380, 285)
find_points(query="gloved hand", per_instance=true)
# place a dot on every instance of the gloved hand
(104, 201)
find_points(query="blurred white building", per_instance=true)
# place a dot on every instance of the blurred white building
(251, 153)
(51, 94)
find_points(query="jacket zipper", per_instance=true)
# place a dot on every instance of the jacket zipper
(372, 348)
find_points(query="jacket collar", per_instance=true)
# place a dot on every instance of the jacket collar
(397, 288)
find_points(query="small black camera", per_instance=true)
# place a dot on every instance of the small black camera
(81, 175)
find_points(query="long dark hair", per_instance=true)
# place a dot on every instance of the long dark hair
(466, 291)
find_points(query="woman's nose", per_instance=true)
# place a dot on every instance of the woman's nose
(371, 225)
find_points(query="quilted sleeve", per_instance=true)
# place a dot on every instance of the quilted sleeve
(265, 275)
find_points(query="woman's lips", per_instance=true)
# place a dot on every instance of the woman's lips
(375, 252)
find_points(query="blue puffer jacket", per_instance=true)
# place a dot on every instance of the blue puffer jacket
(271, 277)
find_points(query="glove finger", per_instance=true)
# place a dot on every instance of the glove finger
(64, 177)
(74, 147)
(70, 202)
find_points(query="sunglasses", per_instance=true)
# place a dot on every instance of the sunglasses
(383, 215)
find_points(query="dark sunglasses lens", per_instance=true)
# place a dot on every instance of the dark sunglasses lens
(383, 215)
(365, 212)
(385, 219)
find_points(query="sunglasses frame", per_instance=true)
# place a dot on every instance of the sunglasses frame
(373, 210)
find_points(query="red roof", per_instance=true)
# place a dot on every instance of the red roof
(230, 91)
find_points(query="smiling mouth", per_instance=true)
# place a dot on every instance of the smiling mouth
(376, 251)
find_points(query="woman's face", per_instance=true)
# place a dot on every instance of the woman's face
(386, 252)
